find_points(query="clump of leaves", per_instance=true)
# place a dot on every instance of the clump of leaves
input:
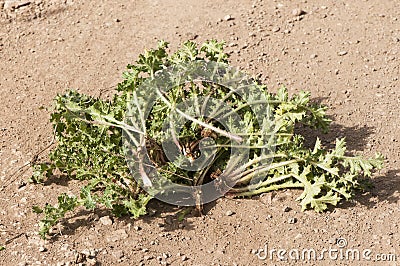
(90, 133)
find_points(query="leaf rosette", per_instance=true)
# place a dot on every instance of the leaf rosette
(192, 127)
(187, 128)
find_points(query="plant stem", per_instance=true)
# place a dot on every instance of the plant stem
(220, 131)
(262, 184)
(251, 173)
(267, 189)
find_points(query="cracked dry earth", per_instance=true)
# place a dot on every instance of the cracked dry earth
(345, 52)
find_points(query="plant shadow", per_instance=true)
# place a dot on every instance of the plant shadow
(60, 180)
(168, 217)
(356, 136)
(175, 217)
(81, 219)
(384, 189)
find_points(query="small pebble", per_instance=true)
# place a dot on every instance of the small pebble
(184, 258)
(86, 252)
(298, 12)
(93, 252)
(117, 235)
(298, 236)
(9, 4)
(64, 247)
(229, 213)
(151, 212)
(313, 56)
(342, 53)
(42, 249)
(91, 261)
(286, 209)
(276, 29)
(292, 220)
(106, 220)
(228, 17)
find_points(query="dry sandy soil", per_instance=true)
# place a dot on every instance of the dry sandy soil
(347, 53)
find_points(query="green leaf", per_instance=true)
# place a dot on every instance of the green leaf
(311, 190)
(182, 214)
(137, 207)
(87, 198)
(359, 165)
(54, 213)
(320, 204)
(317, 147)
(37, 210)
(214, 51)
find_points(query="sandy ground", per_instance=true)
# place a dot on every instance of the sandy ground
(345, 52)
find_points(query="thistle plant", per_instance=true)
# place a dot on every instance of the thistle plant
(186, 123)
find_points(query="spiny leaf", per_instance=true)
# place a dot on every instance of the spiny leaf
(137, 207)
(359, 165)
(321, 203)
(311, 190)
